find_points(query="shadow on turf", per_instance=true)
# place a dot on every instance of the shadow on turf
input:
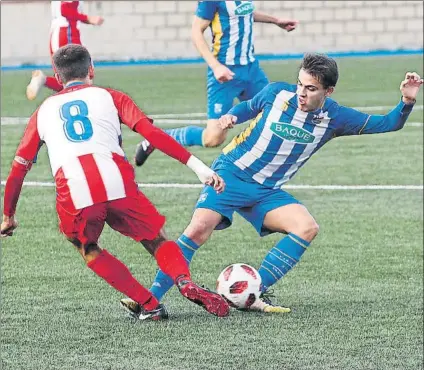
(201, 316)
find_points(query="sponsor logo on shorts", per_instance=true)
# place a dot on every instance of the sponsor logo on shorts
(292, 133)
(202, 198)
(244, 9)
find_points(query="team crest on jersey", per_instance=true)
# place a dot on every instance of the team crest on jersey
(318, 118)
(244, 9)
(292, 133)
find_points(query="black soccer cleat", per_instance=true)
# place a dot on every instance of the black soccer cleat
(205, 298)
(138, 312)
(143, 151)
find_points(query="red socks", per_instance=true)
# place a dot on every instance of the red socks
(53, 84)
(116, 274)
(171, 260)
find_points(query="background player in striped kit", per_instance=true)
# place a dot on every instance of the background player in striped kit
(291, 124)
(95, 184)
(64, 30)
(233, 71)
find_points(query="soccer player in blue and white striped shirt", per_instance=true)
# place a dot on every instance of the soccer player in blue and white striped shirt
(291, 123)
(233, 71)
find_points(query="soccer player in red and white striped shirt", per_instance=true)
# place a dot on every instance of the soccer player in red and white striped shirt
(95, 184)
(64, 30)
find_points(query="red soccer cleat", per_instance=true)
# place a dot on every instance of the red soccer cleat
(210, 301)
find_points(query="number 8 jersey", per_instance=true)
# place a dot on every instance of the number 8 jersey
(81, 127)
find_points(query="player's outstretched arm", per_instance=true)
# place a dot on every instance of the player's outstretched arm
(355, 122)
(168, 145)
(286, 24)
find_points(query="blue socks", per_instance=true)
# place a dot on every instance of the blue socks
(187, 136)
(281, 259)
(163, 282)
(278, 262)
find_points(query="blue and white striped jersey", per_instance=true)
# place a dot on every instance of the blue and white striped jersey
(232, 30)
(282, 137)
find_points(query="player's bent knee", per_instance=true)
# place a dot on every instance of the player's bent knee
(308, 230)
(213, 136)
(210, 141)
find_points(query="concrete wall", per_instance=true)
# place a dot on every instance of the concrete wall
(161, 29)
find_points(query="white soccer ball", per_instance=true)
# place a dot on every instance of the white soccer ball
(239, 284)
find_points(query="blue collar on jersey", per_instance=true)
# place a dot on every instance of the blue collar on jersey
(76, 83)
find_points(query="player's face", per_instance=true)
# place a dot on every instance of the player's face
(310, 92)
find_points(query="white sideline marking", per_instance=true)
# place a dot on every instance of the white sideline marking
(185, 122)
(198, 115)
(182, 118)
(13, 121)
(293, 187)
(178, 115)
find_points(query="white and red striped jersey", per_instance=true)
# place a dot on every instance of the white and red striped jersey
(81, 127)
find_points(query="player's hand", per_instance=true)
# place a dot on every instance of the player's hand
(287, 24)
(410, 86)
(227, 121)
(7, 226)
(217, 182)
(205, 174)
(222, 73)
(95, 20)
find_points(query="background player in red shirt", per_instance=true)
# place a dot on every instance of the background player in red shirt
(64, 30)
(95, 183)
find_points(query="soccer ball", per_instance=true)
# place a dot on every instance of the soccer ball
(239, 284)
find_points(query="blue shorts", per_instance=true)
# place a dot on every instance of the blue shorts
(242, 195)
(247, 82)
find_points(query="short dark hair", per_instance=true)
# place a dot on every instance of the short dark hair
(321, 67)
(72, 62)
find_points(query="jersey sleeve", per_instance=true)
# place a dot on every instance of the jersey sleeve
(30, 143)
(69, 9)
(207, 9)
(354, 122)
(129, 113)
(251, 108)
